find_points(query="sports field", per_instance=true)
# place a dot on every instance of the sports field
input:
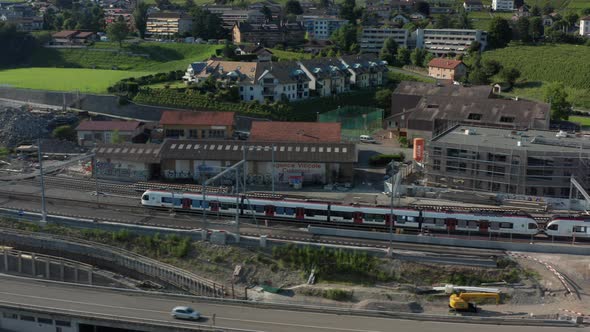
(64, 79)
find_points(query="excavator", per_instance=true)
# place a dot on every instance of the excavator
(462, 302)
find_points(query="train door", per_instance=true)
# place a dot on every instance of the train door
(215, 206)
(388, 219)
(269, 211)
(186, 203)
(299, 213)
(357, 217)
(451, 225)
(483, 226)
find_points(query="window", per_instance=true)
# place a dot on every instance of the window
(507, 119)
(506, 225)
(251, 97)
(27, 318)
(553, 227)
(193, 133)
(474, 116)
(579, 229)
(167, 200)
(174, 132)
(532, 226)
(241, 88)
(251, 89)
(9, 315)
(146, 197)
(45, 321)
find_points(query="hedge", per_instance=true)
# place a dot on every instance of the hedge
(384, 159)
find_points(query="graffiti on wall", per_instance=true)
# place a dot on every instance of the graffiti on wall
(107, 169)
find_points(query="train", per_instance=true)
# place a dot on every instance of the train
(374, 217)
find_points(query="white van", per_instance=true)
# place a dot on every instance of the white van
(367, 139)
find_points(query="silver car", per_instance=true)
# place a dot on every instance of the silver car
(185, 313)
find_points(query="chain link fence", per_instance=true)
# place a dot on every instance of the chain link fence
(355, 120)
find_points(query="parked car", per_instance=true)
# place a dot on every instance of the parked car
(367, 139)
(183, 312)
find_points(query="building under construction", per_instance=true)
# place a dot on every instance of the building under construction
(526, 162)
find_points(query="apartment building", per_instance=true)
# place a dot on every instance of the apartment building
(441, 42)
(522, 162)
(231, 17)
(503, 5)
(372, 38)
(321, 27)
(472, 5)
(268, 35)
(327, 76)
(168, 24)
(585, 26)
(366, 71)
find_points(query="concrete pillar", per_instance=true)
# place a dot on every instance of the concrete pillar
(75, 274)
(33, 265)
(62, 271)
(5, 260)
(90, 277)
(20, 262)
(204, 235)
(47, 268)
(263, 241)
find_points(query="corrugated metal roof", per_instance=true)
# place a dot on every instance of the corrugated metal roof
(147, 153)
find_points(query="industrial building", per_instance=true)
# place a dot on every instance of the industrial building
(521, 162)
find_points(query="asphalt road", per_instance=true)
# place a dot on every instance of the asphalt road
(138, 306)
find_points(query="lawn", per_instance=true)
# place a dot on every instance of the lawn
(540, 65)
(289, 56)
(64, 79)
(584, 121)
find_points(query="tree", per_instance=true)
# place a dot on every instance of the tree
(499, 33)
(442, 22)
(293, 7)
(548, 9)
(556, 96)
(491, 67)
(389, 50)
(403, 56)
(510, 75)
(422, 7)
(118, 31)
(523, 28)
(383, 98)
(17, 46)
(229, 50)
(537, 29)
(345, 37)
(140, 16)
(347, 11)
(116, 137)
(207, 25)
(474, 47)
(571, 19)
(64, 133)
(477, 75)
(536, 11)
(267, 13)
(189, 4)
(163, 4)
(417, 56)
(427, 58)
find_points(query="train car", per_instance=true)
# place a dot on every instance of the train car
(364, 215)
(569, 227)
(286, 209)
(479, 223)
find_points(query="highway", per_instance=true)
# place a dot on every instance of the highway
(91, 301)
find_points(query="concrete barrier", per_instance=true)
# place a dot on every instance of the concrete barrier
(453, 242)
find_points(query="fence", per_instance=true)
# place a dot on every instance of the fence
(355, 120)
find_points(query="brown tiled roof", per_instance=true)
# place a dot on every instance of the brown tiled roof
(197, 118)
(83, 34)
(265, 131)
(108, 125)
(432, 89)
(444, 63)
(65, 34)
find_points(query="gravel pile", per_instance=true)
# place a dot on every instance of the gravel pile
(19, 125)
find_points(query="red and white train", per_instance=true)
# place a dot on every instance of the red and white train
(285, 209)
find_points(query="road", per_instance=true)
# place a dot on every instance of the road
(139, 306)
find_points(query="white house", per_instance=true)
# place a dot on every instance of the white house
(327, 76)
(365, 70)
(585, 26)
(503, 5)
(275, 81)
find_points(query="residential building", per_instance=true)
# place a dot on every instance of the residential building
(275, 7)
(447, 69)
(268, 35)
(365, 70)
(231, 17)
(521, 162)
(92, 132)
(503, 5)
(197, 125)
(295, 132)
(28, 24)
(112, 15)
(423, 110)
(400, 20)
(276, 81)
(449, 41)
(327, 76)
(585, 26)
(72, 37)
(262, 54)
(321, 27)
(229, 72)
(548, 20)
(384, 8)
(472, 5)
(372, 38)
(193, 69)
(168, 24)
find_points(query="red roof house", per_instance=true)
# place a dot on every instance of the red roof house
(187, 124)
(301, 132)
(446, 69)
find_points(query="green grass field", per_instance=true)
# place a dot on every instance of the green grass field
(584, 121)
(64, 79)
(289, 56)
(540, 65)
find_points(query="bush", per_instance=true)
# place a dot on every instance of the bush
(65, 133)
(384, 159)
(337, 295)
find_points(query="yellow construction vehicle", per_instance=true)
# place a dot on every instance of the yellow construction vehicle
(462, 302)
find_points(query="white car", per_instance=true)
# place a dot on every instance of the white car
(185, 313)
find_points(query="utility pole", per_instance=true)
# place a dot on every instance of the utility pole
(43, 204)
(273, 168)
(95, 167)
(237, 205)
(245, 167)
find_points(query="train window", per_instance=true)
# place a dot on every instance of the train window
(310, 212)
(259, 208)
(167, 200)
(439, 221)
(204, 204)
(428, 221)
(553, 227)
(579, 229)
(227, 206)
(280, 210)
(506, 225)
(196, 203)
(289, 211)
(532, 226)
(146, 197)
(344, 215)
